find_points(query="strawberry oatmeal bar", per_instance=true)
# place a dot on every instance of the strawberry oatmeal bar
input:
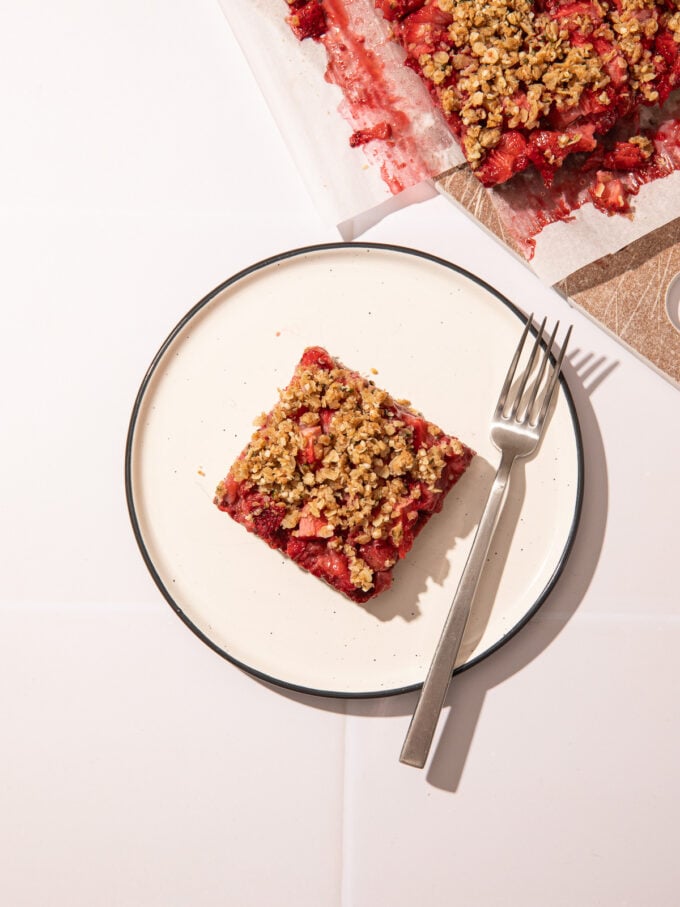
(341, 477)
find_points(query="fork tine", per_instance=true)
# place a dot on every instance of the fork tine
(541, 371)
(500, 406)
(527, 372)
(553, 379)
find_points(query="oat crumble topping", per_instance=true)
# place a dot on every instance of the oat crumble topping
(506, 64)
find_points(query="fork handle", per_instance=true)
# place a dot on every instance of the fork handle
(424, 721)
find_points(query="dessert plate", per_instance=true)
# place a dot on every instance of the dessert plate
(421, 328)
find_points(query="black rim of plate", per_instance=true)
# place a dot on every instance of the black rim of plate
(267, 262)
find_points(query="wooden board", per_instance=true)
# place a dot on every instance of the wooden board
(626, 293)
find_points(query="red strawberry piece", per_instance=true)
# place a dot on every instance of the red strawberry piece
(267, 523)
(326, 416)
(309, 526)
(305, 552)
(424, 30)
(667, 47)
(624, 156)
(380, 554)
(571, 14)
(308, 20)
(231, 489)
(335, 564)
(407, 537)
(509, 157)
(398, 9)
(429, 500)
(585, 138)
(546, 153)
(419, 426)
(608, 194)
(316, 355)
(381, 130)
(308, 454)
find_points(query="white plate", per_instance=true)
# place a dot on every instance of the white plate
(437, 336)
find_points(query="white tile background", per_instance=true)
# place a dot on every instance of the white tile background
(139, 167)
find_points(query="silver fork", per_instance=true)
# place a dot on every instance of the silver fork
(515, 430)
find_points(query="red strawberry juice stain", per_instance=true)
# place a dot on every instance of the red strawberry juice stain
(370, 103)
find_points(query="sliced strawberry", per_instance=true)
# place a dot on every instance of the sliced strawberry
(571, 14)
(667, 47)
(505, 160)
(548, 149)
(546, 153)
(624, 156)
(424, 30)
(408, 535)
(304, 552)
(608, 194)
(595, 160)
(617, 70)
(398, 9)
(230, 492)
(379, 554)
(258, 514)
(381, 130)
(589, 105)
(268, 523)
(584, 134)
(668, 137)
(335, 565)
(668, 82)
(308, 20)
(429, 501)
(316, 355)
(326, 416)
(309, 453)
(419, 425)
(309, 526)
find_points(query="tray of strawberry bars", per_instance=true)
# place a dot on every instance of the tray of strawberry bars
(304, 482)
(554, 123)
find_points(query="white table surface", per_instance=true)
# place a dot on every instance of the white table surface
(140, 168)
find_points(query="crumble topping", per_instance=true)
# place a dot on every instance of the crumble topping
(501, 48)
(506, 64)
(361, 457)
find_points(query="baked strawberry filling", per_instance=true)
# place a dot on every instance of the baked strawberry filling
(341, 477)
(533, 81)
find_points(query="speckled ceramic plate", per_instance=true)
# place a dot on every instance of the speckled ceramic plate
(437, 336)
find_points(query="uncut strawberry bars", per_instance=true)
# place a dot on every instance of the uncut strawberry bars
(341, 477)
